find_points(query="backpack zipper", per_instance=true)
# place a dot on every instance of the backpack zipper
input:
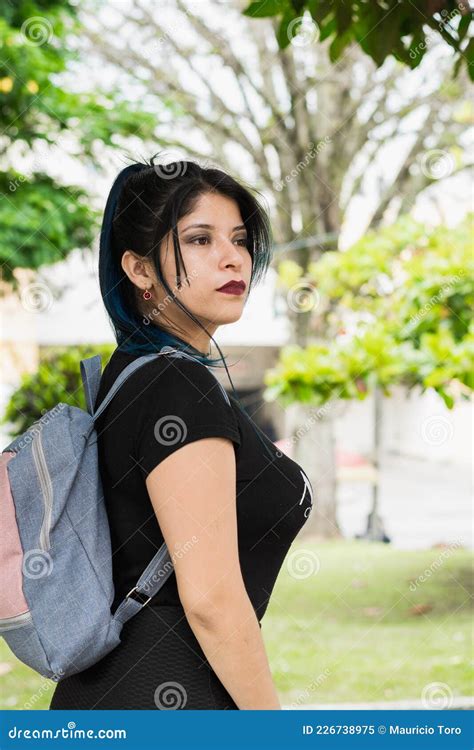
(46, 489)
(10, 623)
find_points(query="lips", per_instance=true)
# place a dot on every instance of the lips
(233, 287)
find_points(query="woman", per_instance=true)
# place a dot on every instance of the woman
(180, 460)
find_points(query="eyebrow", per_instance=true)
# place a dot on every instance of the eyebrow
(210, 226)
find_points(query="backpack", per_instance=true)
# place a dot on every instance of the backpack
(56, 586)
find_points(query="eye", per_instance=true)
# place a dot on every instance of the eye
(197, 239)
(243, 240)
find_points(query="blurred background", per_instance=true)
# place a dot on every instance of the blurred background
(355, 355)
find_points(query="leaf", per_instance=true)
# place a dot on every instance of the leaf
(319, 9)
(263, 8)
(327, 28)
(338, 44)
(420, 609)
(464, 24)
(343, 17)
(283, 37)
(469, 55)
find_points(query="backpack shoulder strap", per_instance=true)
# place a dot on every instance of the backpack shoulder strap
(124, 375)
(149, 583)
(161, 566)
(91, 371)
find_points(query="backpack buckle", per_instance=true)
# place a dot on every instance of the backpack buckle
(138, 593)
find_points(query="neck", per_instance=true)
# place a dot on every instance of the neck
(200, 340)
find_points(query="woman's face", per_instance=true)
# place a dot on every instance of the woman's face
(213, 243)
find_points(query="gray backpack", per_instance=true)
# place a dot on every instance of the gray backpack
(56, 580)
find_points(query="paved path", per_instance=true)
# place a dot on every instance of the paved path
(421, 503)
(459, 703)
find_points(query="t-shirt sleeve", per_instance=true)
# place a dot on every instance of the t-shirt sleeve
(183, 404)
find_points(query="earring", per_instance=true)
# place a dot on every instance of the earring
(146, 294)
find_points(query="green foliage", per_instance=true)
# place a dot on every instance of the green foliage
(397, 307)
(41, 221)
(57, 380)
(381, 27)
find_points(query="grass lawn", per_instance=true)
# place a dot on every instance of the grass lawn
(343, 625)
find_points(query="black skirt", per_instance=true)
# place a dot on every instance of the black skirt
(159, 664)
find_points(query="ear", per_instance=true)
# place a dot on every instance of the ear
(137, 269)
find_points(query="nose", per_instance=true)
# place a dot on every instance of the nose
(230, 254)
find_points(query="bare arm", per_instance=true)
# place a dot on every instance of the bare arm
(193, 495)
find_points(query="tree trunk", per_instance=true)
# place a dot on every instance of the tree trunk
(312, 435)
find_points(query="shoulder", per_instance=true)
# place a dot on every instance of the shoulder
(173, 383)
(180, 401)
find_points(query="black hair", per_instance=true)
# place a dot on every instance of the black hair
(145, 203)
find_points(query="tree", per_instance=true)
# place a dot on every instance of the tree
(397, 27)
(42, 218)
(309, 133)
(398, 311)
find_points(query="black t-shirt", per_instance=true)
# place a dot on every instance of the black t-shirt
(165, 404)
